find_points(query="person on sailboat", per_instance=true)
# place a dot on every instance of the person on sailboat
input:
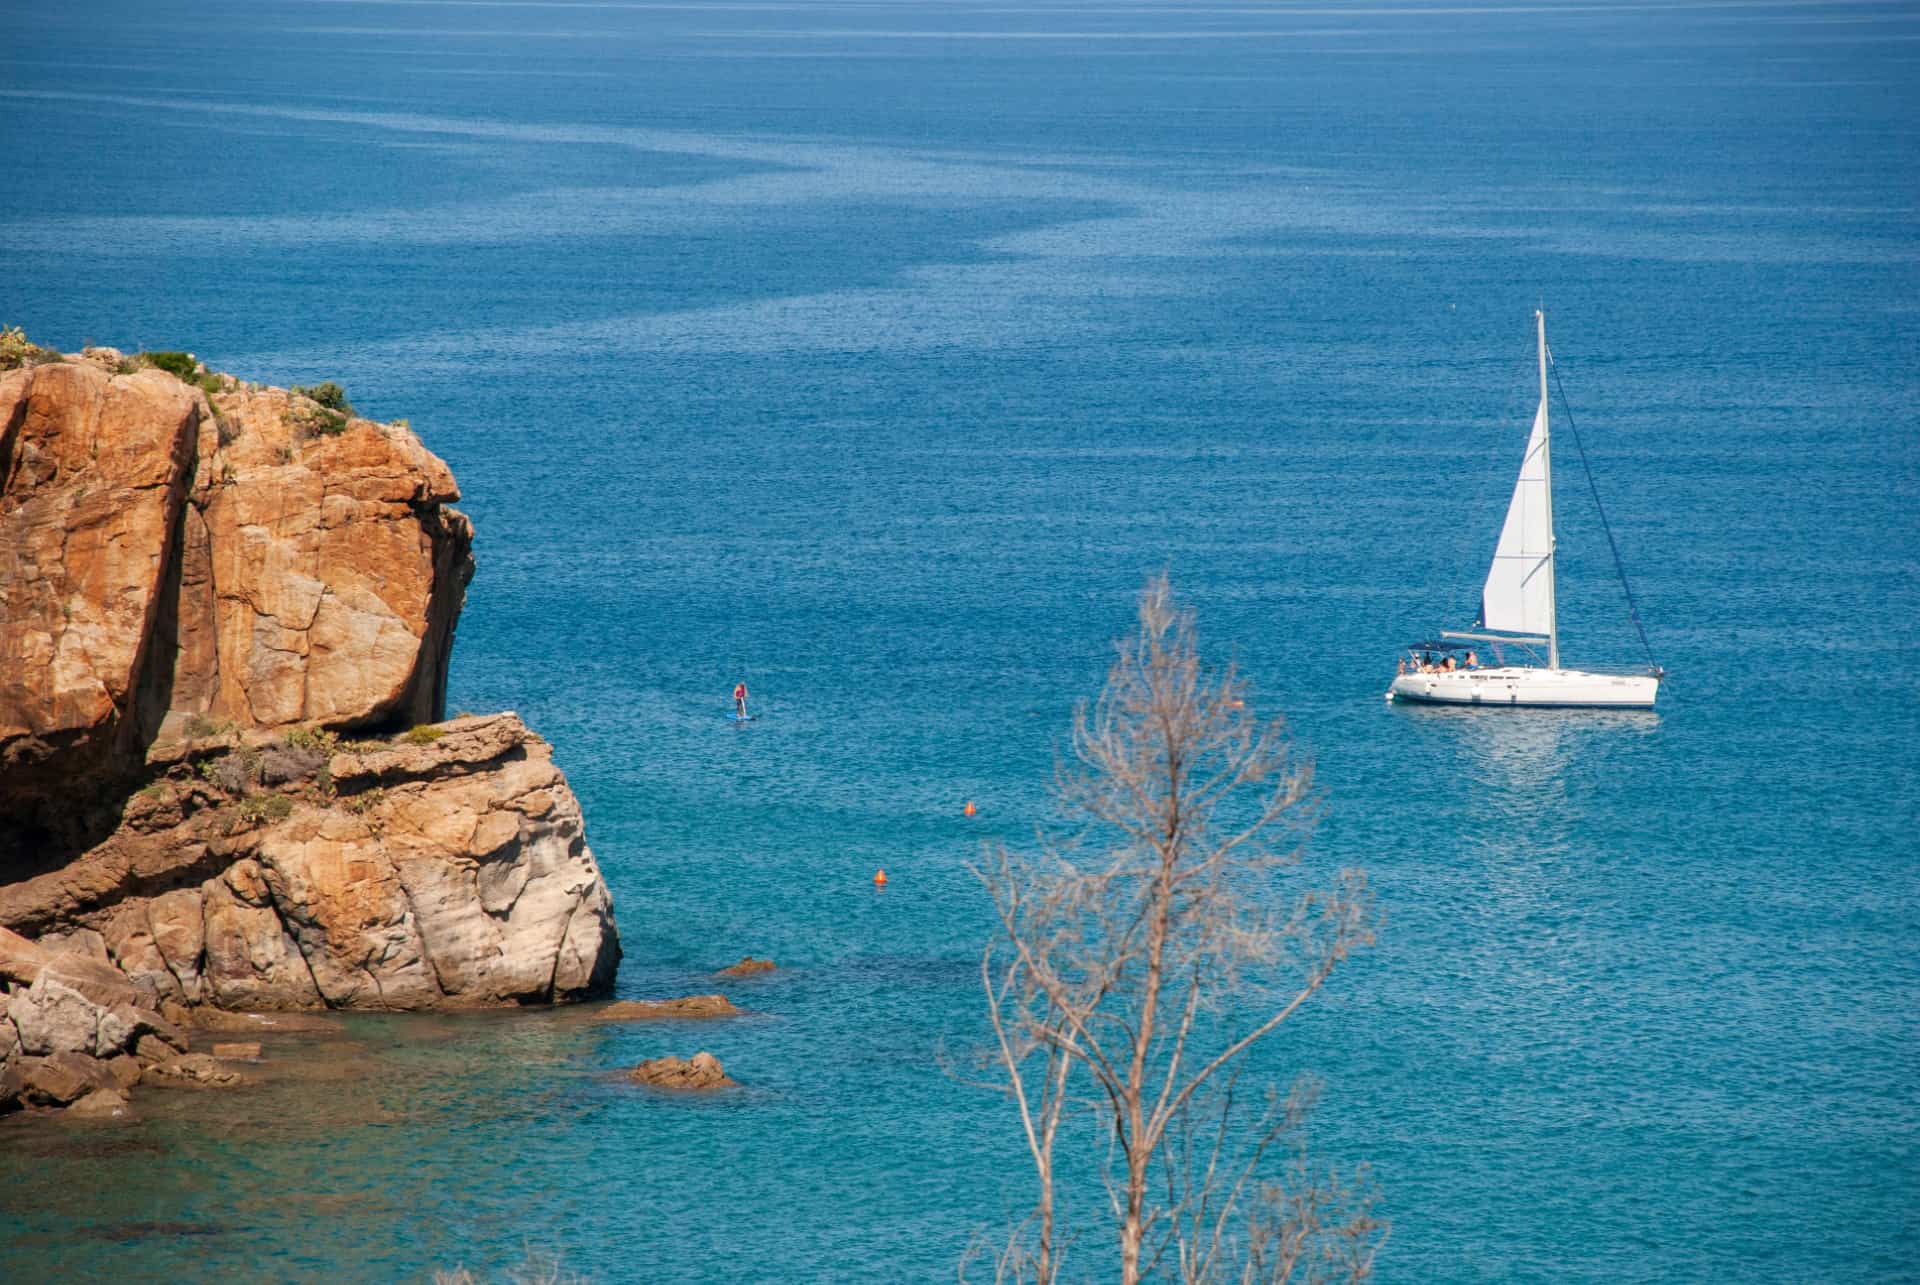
(740, 699)
(1473, 661)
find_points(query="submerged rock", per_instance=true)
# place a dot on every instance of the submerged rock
(197, 1070)
(747, 967)
(701, 1071)
(101, 1104)
(691, 1006)
(227, 1022)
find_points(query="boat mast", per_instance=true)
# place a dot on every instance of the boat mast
(1546, 468)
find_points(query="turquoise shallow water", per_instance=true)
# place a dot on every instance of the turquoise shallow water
(875, 352)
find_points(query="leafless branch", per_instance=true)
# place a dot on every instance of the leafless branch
(1141, 958)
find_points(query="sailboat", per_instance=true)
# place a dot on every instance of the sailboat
(1517, 611)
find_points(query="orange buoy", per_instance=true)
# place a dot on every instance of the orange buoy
(879, 878)
(969, 809)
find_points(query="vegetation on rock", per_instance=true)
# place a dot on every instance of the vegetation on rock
(183, 366)
(17, 350)
(327, 394)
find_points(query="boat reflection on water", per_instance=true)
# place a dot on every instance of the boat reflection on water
(1520, 890)
(1523, 757)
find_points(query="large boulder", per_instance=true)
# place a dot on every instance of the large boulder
(60, 1078)
(177, 564)
(54, 1018)
(448, 870)
(322, 572)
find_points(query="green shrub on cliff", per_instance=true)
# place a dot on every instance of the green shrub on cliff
(328, 394)
(267, 807)
(181, 365)
(228, 431)
(17, 350)
(324, 414)
(310, 420)
(317, 739)
(423, 735)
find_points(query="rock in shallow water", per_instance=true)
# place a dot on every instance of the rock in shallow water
(227, 1022)
(198, 1070)
(61, 1078)
(747, 967)
(701, 1071)
(691, 1006)
(101, 1104)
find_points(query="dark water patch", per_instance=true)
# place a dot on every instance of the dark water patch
(154, 1229)
(49, 1139)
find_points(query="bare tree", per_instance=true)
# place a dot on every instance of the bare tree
(1139, 962)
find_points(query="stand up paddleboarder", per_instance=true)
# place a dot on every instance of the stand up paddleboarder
(740, 700)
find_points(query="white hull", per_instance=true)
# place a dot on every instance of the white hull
(1518, 686)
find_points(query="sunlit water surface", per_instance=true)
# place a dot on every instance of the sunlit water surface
(874, 353)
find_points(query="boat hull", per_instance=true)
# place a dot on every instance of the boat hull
(1518, 687)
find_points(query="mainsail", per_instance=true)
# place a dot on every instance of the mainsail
(1518, 596)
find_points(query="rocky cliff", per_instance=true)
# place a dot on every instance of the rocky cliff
(226, 613)
(175, 553)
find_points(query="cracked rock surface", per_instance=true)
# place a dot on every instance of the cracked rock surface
(221, 605)
(170, 555)
(454, 874)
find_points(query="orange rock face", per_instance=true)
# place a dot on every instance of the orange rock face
(198, 589)
(93, 480)
(171, 559)
(334, 571)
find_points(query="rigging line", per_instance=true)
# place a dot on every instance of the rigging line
(1620, 567)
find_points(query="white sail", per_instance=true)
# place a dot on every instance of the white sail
(1518, 595)
(1517, 604)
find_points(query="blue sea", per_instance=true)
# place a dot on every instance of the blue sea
(874, 353)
